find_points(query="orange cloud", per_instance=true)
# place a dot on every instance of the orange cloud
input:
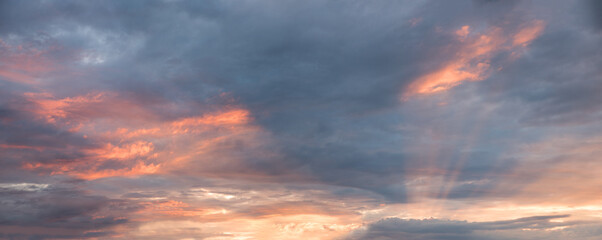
(232, 117)
(463, 31)
(127, 151)
(90, 171)
(53, 109)
(528, 33)
(304, 226)
(89, 109)
(471, 61)
(140, 168)
(134, 144)
(21, 147)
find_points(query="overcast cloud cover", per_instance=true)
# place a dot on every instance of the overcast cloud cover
(414, 120)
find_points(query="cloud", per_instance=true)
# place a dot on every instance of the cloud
(323, 87)
(595, 7)
(302, 119)
(42, 211)
(472, 59)
(550, 227)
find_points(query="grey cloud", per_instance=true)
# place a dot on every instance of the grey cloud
(325, 78)
(28, 139)
(557, 79)
(60, 213)
(595, 8)
(436, 229)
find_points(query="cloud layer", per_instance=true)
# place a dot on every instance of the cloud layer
(300, 119)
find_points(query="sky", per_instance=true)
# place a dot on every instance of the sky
(335, 120)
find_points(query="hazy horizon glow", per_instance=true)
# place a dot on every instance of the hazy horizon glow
(335, 120)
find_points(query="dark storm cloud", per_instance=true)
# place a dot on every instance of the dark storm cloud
(431, 229)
